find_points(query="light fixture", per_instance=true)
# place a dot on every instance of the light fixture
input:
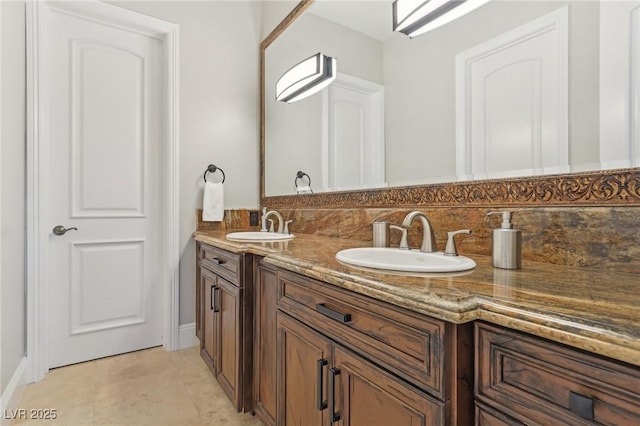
(416, 17)
(306, 78)
(303, 189)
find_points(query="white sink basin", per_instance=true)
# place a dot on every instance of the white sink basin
(394, 259)
(259, 236)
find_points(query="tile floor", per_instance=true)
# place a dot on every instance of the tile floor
(150, 387)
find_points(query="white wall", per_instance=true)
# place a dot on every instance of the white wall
(273, 12)
(219, 115)
(12, 180)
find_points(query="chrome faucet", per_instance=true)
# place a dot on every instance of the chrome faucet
(265, 217)
(428, 239)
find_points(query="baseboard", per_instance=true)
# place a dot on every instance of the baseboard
(187, 336)
(11, 395)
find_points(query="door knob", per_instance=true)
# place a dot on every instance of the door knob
(61, 230)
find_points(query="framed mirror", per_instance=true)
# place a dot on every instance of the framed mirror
(518, 102)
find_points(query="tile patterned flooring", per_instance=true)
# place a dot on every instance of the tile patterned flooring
(149, 387)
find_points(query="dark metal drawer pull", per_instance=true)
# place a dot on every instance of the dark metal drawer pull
(338, 316)
(333, 417)
(581, 405)
(217, 261)
(212, 298)
(320, 404)
(216, 302)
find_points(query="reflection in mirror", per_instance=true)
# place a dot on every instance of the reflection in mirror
(303, 183)
(514, 88)
(306, 78)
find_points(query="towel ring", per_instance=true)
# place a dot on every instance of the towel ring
(212, 169)
(300, 175)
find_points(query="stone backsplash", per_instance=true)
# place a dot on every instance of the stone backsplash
(597, 237)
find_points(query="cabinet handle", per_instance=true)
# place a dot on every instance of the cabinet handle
(212, 298)
(217, 261)
(338, 316)
(333, 372)
(216, 305)
(581, 405)
(321, 405)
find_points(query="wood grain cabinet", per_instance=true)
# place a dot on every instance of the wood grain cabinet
(323, 383)
(225, 321)
(347, 359)
(522, 379)
(264, 343)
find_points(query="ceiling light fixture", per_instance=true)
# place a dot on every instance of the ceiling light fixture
(416, 17)
(306, 78)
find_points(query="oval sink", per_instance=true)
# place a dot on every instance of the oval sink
(258, 236)
(394, 259)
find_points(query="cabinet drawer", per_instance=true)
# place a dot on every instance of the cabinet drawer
(408, 344)
(221, 262)
(486, 416)
(532, 379)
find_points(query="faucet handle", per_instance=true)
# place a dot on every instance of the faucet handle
(451, 249)
(286, 226)
(404, 245)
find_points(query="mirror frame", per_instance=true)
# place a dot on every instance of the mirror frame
(619, 187)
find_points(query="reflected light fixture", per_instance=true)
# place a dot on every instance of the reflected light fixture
(306, 78)
(416, 17)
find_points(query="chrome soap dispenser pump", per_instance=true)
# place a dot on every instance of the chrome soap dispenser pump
(507, 243)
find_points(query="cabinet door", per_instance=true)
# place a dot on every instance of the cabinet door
(264, 364)
(303, 362)
(208, 343)
(227, 323)
(367, 395)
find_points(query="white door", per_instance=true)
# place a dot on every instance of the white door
(512, 102)
(619, 84)
(354, 156)
(105, 101)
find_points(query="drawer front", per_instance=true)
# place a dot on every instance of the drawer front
(535, 380)
(221, 262)
(486, 416)
(408, 344)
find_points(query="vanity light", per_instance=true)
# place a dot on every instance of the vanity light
(306, 78)
(416, 17)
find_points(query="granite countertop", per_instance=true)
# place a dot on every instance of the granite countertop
(589, 309)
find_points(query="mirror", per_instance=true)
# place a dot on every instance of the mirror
(466, 101)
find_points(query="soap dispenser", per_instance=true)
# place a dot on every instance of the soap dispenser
(507, 244)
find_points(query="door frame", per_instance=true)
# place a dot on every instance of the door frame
(37, 170)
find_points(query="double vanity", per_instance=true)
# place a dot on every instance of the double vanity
(300, 338)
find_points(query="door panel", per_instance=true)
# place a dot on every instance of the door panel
(105, 98)
(228, 328)
(208, 344)
(299, 350)
(107, 129)
(355, 148)
(95, 306)
(371, 396)
(512, 102)
(265, 361)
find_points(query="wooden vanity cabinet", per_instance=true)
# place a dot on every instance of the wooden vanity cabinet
(264, 342)
(225, 321)
(344, 355)
(322, 383)
(523, 379)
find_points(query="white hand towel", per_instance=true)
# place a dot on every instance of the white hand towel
(213, 202)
